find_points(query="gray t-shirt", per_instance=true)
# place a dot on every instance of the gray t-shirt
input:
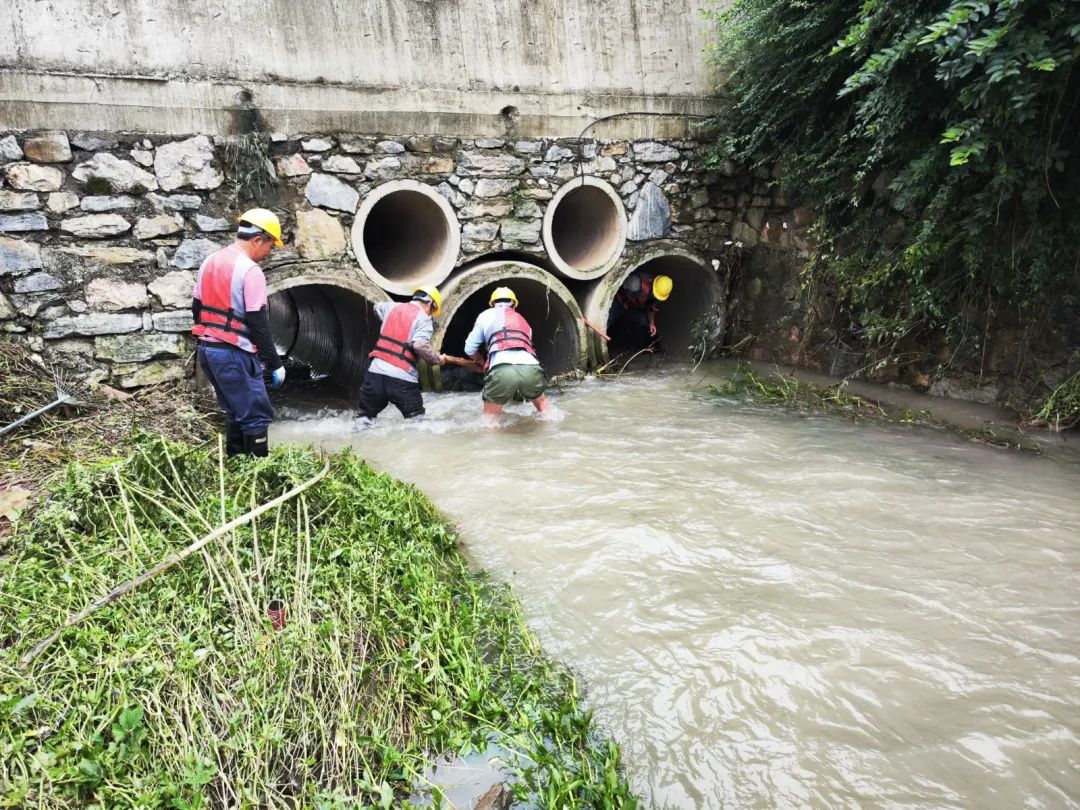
(422, 330)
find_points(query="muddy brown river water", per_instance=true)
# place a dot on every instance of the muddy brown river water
(773, 610)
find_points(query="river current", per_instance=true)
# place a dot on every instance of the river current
(773, 610)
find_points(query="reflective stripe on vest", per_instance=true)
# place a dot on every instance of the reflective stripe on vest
(393, 344)
(515, 335)
(222, 315)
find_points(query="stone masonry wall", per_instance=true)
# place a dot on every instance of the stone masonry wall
(101, 234)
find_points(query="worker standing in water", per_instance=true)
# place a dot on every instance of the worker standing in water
(512, 371)
(232, 322)
(405, 337)
(633, 318)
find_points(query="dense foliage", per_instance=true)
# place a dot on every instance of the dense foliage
(937, 139)
(182, 695)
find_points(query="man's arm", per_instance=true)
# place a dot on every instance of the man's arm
(475, 340)
(258, 327)
(421, 341)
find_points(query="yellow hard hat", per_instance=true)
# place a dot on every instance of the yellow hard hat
(264, 220)
(502, 294)
(432, 293)
(661, 287)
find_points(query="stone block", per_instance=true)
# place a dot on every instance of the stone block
(389, 147)
(319, 235)
(136, 376)
(192, 253)
(341, 164)
(384, 168)
(18, 257)
(317, 145)
(536, 193)
(528, 147)
(487, 187)
(16, 223)
(175, 202)
(292, 166)
(109, 294)
(524, 231)
(108, 254)
(10, 149)
(173, 289)
(119, 174)
(527, 209)
(480, 231)
(95, 226)
(478, 209)
(173, 321)
(213, 224)
(92, 142)
(143, 157)
(542, 171)
(652, 216)
(617, 149)
(60, 201)
(430, 164)
(111, 203)
(48, 147)
(359, 146)
(19, 201)
(326, 191)
(654, 152)
(455, 197)
(556, 153)
(161, 225)
(420, 143)
(605, 165)
(92, 324)
(481, 165)
(188, 163)
(489, 143)
(31, 177)
(38, 282)
(7, 311)
(133, 348)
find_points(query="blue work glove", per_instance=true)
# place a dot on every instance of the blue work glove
(277, 377)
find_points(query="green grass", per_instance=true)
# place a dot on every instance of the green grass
(181, 694)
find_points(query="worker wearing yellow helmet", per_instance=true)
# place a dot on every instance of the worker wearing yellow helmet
(232, 323)
(502, 340)
(404, 339)
(632, 323)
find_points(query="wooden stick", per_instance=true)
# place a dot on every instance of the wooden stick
(169, 562)
(601, 334)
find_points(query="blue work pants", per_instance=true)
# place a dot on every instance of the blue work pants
(238, 382)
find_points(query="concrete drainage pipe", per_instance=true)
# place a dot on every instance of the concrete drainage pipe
(696, 291)
(550, 309)
(326, 327)
(405, 234)
(585, 228)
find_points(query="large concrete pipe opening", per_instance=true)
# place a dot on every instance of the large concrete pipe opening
(405, 234)
(324, 330)
(585, 228)
(543, 300)
(695, 292)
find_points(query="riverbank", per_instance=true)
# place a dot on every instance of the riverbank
(185, 694)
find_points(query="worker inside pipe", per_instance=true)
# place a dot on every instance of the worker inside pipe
(502, 340)
(632, 321)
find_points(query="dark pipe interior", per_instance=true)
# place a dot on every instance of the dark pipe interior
(405, 236)
(693, 294)
(324, 333)
(554, 330)
(585, 228)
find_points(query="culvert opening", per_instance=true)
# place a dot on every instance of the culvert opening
(694, 292)
(554, 325)
(405, 235)
(585, 228)
(323, 333)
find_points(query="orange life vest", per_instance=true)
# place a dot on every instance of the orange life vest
(393, 344)
(222, 315)
(515, 335)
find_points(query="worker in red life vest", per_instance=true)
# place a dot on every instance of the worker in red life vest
(513, 372)
(405, 337)
(232, 323)
(632, 324)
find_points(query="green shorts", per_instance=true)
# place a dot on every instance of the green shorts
(507, 382)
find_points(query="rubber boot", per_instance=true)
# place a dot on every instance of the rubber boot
(256, 444)
(234, 439)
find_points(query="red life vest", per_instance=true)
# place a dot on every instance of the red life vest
(515, 335)
(393, 344)
(222, 313)
(636, 300)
